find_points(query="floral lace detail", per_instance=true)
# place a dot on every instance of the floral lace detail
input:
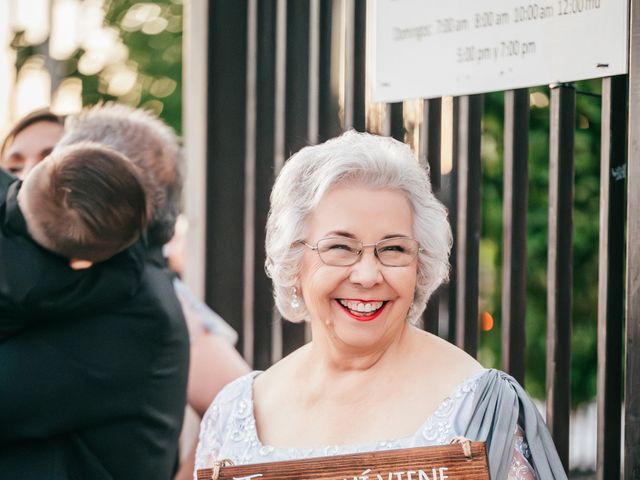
(228, 428)
(209, 440)
(521, 468)
(439, 428)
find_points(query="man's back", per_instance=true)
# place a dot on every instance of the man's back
(97, 397)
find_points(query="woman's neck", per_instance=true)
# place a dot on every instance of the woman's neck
(335, 358)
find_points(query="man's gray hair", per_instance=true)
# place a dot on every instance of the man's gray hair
(150, 144)
(353, 159)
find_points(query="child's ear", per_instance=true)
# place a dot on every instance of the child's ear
(78, 264)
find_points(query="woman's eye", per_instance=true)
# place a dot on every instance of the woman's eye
(341, 246)
(393, 248)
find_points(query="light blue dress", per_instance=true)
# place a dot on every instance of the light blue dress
(228, 429)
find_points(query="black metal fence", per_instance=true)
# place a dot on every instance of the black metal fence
(283, 74)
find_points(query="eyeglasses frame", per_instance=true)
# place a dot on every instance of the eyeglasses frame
(363, 246)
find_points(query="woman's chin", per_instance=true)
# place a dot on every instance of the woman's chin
(366, 333)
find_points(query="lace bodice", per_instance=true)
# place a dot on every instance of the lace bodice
(228, 429)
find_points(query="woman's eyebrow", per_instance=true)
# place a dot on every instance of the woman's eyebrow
(340, 233)
(15, 156)
(396, 235)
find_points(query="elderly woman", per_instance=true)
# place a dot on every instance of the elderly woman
(356, 244)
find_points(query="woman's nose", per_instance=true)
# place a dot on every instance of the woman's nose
(366, 271)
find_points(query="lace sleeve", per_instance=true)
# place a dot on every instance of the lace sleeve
(521, 468)
(209, 441)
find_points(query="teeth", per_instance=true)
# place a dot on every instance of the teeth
(361, 307)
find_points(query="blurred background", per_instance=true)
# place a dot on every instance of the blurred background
(69, 53)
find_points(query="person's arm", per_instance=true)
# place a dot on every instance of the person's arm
(187, 467)
(214, 363)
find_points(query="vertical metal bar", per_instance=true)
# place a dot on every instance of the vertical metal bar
(632, 382)
(514, 260)
(432, 138)
(250, 184)
(468, 221)
(313, 115)
(313, 94)
(453, 214)
(297, 83)
(359, 65)
(296, 114)
(314, 70)
(329, 85)
(347, 66)
(264, 136)
(279, 154)
(430, 152)
(611, 275)
(559, 272)
(195, 142)
(226, 108)
(396, 114)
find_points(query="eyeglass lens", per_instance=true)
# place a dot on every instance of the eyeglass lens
(392, 252)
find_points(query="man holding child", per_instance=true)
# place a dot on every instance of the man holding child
(93, 362)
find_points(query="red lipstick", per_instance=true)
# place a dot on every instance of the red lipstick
(363, 318)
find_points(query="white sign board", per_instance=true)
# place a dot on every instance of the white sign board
(433, 48)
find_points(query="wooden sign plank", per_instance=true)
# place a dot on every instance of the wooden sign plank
(442, 462)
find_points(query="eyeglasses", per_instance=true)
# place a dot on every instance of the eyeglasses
(343, 251)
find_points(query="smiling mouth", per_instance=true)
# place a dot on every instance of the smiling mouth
(361, 310)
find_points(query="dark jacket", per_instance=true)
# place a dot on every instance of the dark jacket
(92, 393)
(35, 283)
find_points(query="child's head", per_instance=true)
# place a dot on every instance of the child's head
(150, 144)
(84, 202)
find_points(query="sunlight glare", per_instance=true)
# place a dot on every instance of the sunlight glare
(139, 15)
(64, 29)
(32, 16)
(121, 79)
(68, 97)
(446, 136)
(33, 89)
(155, 26)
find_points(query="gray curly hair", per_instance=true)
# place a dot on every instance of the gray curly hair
(352, 159)
(150, 144)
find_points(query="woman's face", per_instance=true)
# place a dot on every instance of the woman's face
(364, 306)
(31, 146)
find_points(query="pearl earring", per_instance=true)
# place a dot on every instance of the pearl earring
(295, 301)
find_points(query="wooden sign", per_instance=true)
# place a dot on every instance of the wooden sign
(442, 462)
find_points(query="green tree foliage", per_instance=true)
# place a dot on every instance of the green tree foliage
(155, 50)
(151, 35)
(585, 237)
